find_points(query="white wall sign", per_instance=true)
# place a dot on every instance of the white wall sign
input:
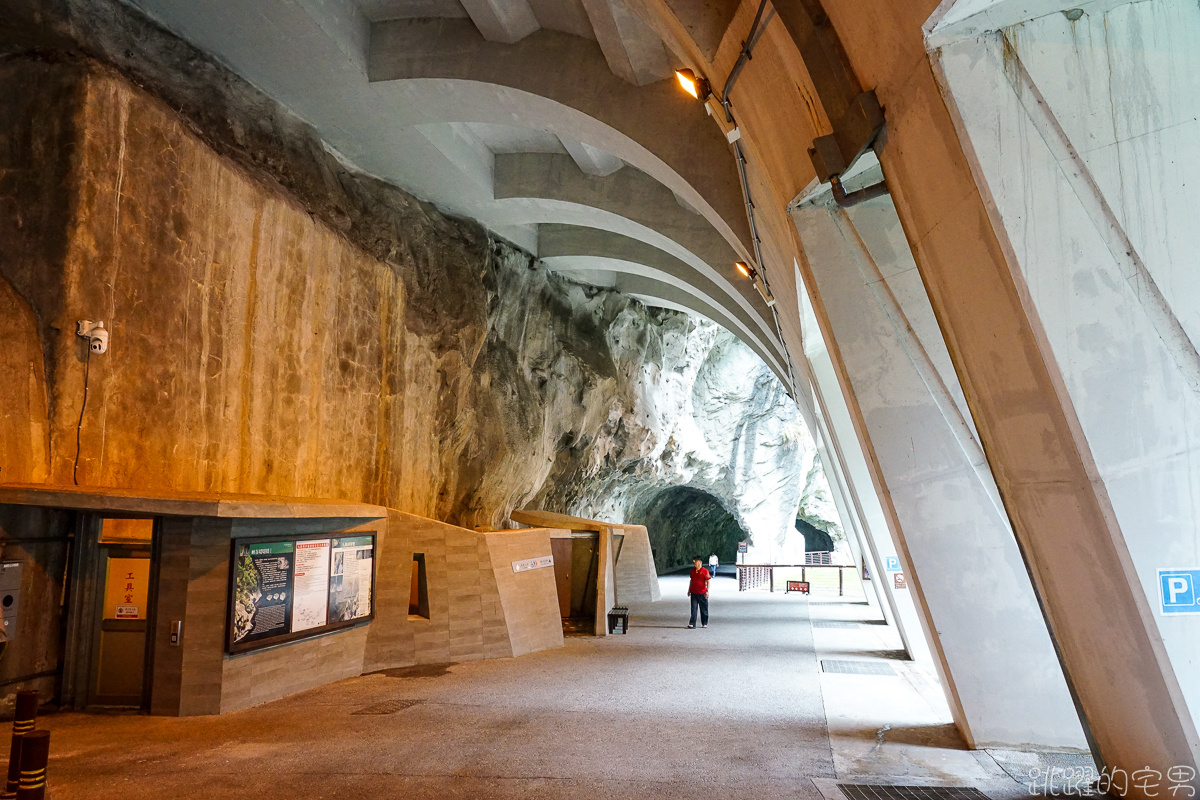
(533, 563)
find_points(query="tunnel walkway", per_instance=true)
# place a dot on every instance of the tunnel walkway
(735, 710)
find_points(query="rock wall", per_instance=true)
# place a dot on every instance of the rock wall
(281, 324)
(705, 413)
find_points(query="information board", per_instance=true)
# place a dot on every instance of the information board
(350, 578)
(262, 590)
(289, 589)
(310, 608)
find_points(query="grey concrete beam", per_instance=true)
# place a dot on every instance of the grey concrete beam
(632, 49)
(504, 21)
(590, 160)
(574, 241)
(571, 92)
(628, 193)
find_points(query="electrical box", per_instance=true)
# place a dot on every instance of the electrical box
(10, 596)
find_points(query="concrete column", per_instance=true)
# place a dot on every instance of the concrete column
(850, 480)
(1082, 139)
(864, 517)
(1002, 678)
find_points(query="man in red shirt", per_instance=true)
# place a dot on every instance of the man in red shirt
(698, 589)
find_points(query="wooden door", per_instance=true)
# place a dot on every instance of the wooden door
(120, 655)
(561, 549)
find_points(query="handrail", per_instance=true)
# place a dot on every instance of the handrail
(750, 576)
(798, 566)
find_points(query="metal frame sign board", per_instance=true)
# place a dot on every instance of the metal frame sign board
(291, 588)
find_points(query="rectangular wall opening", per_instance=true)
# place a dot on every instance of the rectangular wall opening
(418, 597)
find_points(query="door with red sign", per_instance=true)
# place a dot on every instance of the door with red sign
(120, 655)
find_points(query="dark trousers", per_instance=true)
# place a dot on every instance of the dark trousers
(700, 601)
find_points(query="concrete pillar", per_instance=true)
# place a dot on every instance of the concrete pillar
(1081, 136)
(858, 503)
(999, 668)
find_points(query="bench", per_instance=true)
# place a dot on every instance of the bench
(797, 586)
(618, 614)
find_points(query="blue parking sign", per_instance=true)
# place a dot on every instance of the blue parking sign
(1177, 590)
(893, 564)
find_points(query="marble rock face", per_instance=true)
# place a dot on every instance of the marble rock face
(662, 419)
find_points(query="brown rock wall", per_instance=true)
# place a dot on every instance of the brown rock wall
(256, 349)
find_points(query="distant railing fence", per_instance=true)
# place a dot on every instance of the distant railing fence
(756, 576)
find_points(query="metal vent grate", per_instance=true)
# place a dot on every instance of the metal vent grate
(386, 707)
(856, 667)
(834, 624)
(873, 791)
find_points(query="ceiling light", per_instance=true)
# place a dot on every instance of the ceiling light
(745, 269)
(696, 87)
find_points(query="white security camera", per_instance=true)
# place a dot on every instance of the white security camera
(95, 333)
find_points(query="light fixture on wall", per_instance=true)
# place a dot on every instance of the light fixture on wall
(695, 86)
(700, 89)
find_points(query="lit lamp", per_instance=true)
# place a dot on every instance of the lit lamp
(696, 87)
(746, 269)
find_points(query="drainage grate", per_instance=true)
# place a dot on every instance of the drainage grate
(386, 707)
(873, 791)
(835, 624)
(856, 667)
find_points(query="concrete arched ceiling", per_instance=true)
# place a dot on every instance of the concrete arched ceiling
(629, 193)
(560, 83)
(556, 240)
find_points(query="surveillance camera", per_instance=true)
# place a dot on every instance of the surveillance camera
(96, 335)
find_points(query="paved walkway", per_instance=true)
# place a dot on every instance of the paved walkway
(732, 711)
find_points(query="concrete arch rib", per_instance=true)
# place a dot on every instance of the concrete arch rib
(556, 240)
(562, 84)
(629, 194)
(518, 214)
(642, 281)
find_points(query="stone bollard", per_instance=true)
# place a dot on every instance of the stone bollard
(35, 752)
(23, 722)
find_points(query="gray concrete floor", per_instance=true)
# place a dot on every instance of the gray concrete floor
(738, 710)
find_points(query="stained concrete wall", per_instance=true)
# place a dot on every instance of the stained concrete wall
(1084, 135)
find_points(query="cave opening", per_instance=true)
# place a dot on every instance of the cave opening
(683, 523)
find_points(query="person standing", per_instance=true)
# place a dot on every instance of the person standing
(713, 563)
(698, 590)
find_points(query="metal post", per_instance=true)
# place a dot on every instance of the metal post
(839, 581)
(23, 722)
(771, 573)
(35, 752)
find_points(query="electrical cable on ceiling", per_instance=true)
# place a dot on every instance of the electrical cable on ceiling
(87, 368)
(757, 28)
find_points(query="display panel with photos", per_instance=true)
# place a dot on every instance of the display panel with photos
(293, 587)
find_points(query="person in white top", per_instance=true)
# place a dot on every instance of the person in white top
(713, 563)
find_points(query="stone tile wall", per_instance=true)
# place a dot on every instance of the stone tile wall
(636, 577)
(527, 601)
